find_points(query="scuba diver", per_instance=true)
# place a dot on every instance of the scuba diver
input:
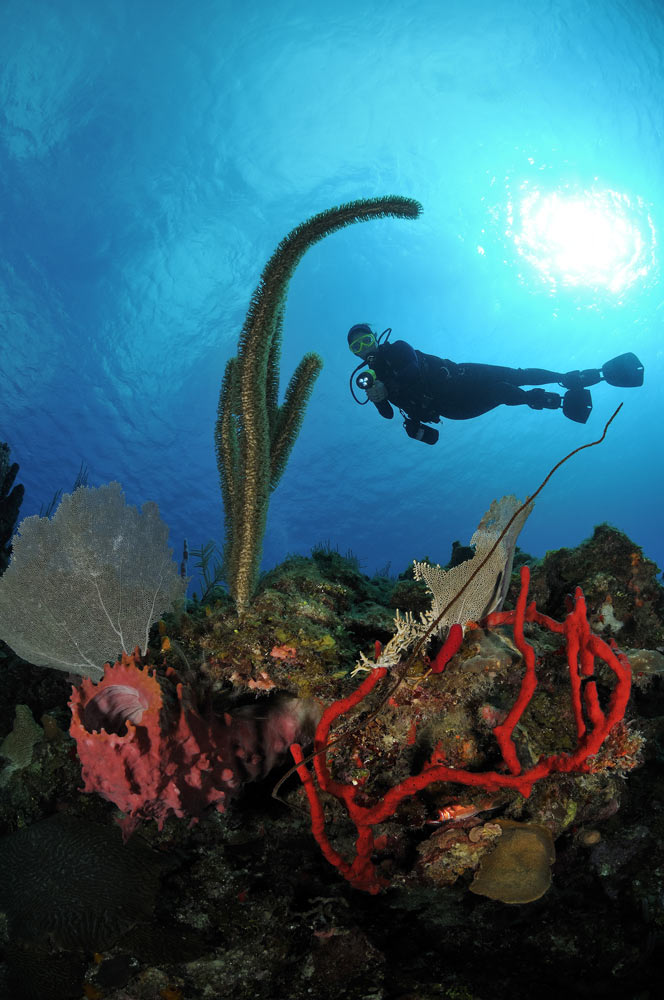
(424, 387)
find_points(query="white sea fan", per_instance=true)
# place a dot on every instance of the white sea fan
(484, 594)
(87, 583)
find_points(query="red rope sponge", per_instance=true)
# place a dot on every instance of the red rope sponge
(582, 647)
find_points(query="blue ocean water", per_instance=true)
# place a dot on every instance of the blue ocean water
(152, 156)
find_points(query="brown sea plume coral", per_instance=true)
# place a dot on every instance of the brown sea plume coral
(255, 434)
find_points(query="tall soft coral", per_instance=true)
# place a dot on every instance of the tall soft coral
(254, 434)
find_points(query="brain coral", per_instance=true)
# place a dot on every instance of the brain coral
(75, 884)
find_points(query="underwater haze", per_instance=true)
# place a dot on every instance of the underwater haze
(153, 155)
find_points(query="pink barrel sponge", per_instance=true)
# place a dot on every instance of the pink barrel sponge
(144, 746)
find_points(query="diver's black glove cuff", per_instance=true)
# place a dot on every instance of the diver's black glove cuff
(385, 409)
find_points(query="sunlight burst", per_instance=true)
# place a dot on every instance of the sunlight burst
(594, 238)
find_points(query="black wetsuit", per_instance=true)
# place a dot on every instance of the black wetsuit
(427, 387)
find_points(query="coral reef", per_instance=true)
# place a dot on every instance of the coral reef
(248, 906)
(301, 634)
(620, 583)
(367, 810)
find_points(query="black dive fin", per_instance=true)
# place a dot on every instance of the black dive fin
(577, 404)
(626, 371)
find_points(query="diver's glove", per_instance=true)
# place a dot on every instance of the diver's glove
(376, 392)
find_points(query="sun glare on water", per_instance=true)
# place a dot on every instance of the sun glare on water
(597, 238)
